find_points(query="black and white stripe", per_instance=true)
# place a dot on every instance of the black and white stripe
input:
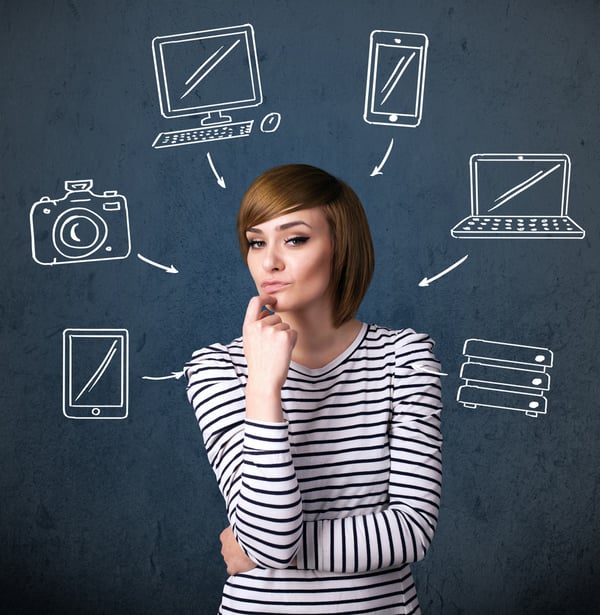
(349, 486)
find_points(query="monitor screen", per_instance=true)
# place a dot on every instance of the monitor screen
(520, 186)
(203, 72)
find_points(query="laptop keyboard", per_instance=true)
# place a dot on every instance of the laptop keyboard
(526, 225)
(203, 134)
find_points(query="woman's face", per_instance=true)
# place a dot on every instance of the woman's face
(290, 259)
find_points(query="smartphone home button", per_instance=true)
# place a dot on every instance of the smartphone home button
(96, 411)
(393, 117)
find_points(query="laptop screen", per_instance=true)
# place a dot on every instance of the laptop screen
(519, 186)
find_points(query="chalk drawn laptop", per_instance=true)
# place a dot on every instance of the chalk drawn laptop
(519, 196)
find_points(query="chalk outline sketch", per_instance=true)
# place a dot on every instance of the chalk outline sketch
(84, 205)
(502, 226)
(210, 129)
(220, 179)
(167, 269)
(271, 122)
(418, 43)
(96, 411)
(427, 281)
(519, 376)
(377, 169)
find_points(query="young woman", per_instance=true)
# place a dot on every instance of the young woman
(323, 431)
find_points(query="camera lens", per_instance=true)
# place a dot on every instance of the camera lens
(78, 233)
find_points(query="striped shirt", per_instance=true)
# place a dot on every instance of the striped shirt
(349, 485)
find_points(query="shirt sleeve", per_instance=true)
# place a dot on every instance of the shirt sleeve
(251, 461)
(402, 532)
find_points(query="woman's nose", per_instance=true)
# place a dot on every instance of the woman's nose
(272, 260)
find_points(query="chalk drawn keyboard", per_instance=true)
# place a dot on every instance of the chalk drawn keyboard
(526, 226)
(203, 134)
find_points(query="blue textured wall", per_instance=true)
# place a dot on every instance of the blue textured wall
(124, 516)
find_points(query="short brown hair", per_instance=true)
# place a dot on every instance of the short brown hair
(294, 187)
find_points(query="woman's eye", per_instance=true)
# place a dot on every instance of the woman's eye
(296, 241)
(255, 243)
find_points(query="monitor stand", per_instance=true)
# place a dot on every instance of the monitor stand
(215, 117)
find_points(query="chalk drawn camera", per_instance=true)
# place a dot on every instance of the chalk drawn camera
(80, 227)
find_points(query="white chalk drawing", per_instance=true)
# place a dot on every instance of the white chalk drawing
(519, 196)
(220, 179)
(206, 73)
(505, 376)
(172, 375)
(396, 78)
(377, 168)
(425, 369)
(169, 269)
(80, 227)
(271, 122)
(95, 373)
(427, 281)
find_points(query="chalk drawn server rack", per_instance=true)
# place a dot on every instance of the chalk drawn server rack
(505, 376)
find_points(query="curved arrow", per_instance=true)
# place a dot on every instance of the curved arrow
(220, 179)
(423, 368)
(377, 169)
(176, 375)
(427, 281)
(170, 269)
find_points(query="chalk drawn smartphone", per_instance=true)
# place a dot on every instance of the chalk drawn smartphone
(396, 78)
(95, 373)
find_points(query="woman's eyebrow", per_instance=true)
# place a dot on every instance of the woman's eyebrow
(282, 227)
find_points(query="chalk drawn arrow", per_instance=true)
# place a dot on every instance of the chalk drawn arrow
(427, 281)
(377, 168)
(176, 375)
(169, 269)
(418, 367)
(219, 178)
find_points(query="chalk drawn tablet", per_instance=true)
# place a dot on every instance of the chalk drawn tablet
(95, 373)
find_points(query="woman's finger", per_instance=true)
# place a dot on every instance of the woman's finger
(255, 311)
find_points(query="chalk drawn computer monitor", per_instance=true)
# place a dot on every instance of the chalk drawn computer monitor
(208, 74)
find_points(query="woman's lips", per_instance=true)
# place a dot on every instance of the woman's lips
(272, 286)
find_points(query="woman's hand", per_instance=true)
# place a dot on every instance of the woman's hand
(235, 558)
(268, 346)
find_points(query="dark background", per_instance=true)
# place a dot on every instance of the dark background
(103, 516)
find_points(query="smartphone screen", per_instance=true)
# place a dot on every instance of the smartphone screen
(95, 373)
(396, 78)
